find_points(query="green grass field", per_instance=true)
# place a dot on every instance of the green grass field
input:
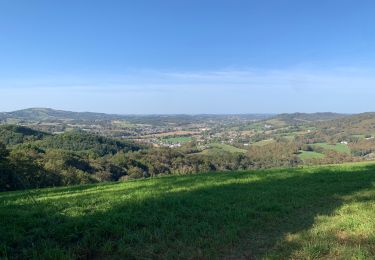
(180, 139)
(263, 142)
(215, 148)
(305, 155)
(303, 213)
(342, 148)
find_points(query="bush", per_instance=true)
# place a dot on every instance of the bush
(135, 173)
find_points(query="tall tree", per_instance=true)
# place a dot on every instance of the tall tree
(7, 181)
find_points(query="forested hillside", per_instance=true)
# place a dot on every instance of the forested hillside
(12, 134)
(35, 159)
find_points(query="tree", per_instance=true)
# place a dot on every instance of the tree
(135, 173)
(29, 171)
(7, 180)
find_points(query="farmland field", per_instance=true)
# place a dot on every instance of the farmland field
(301, 213)
(305, 155)
(263, 142)
(180, 139)
(216, 147)
(343, 148)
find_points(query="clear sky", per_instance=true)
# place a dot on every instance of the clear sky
(188, 56)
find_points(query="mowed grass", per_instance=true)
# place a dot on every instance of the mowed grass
(306, 155)
(342, 148)
(303, 213)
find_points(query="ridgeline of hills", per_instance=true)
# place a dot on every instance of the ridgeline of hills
(41, 114)
(48, 115)
(298, 118)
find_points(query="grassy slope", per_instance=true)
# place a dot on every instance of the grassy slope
(343, 148)
(180, 139)
(316, 212)
(217, 148)
(263, 142)
(304, 155)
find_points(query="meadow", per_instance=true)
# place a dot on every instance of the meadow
(342, 148)
(263, 142)
(301, 213)
(306, 155)
(215, 148)
(178, 139)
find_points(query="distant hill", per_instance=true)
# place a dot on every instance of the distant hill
(298, 119)
(53, 118)
(41, 114)
(322, 116)
(359, 123)
(48, 115)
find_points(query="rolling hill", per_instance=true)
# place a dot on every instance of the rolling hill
(302, 213)
(303, 118)
(48, 114)
(320, 116)
(45, 114)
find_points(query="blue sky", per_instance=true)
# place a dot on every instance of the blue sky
(188, 56)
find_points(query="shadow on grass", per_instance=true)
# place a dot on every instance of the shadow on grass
(217, 220)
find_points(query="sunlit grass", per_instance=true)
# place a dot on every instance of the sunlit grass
(216, 148)
(342, 148)
(178, 139)
(307, 155)
(303, 213)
